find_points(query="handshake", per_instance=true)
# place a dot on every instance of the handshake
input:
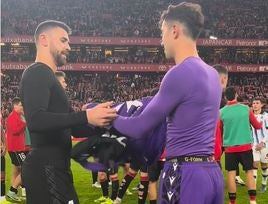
(101, 115)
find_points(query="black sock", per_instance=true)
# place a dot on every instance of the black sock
(252, 194)
(237, 171)
(232, 197)
(152, 201)
(3, 179)
(13, 189)
(105, 187)
(115, 187)
(108, 176)
(143, 189)
(125, 184)
(3, 188)
(94, 177)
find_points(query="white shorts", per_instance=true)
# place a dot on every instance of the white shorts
(261, 155)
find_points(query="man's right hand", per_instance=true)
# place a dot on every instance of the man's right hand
(101, 115)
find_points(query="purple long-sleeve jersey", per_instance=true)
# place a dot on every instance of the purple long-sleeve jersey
(189, 97)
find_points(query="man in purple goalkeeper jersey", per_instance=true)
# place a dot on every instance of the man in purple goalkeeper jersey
(189, 97)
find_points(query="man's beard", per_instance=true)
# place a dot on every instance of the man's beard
(58, 58)
(168, 53)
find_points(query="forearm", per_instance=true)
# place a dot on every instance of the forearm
(44, 121)
(254, 122)
(18, 127)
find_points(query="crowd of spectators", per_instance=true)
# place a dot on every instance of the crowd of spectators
(86, 87)
(140, 55)
(234, 55)
(83, 88)
(250, 86)
(135, 18)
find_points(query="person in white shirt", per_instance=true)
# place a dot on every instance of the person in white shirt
(260, 144)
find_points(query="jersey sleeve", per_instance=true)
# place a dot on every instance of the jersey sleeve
(15, 125)
(253, 121)
(265, 124)
(265, 119)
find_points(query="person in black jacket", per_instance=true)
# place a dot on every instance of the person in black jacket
(46, 172)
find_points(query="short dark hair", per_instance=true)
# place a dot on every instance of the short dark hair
(188, 14)
(49, 24)
(60, 74)
(221, 69)
(230, 93)
(259, 99)
(16, 101)
(240, 99)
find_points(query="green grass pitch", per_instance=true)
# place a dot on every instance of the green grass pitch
(87, 194)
